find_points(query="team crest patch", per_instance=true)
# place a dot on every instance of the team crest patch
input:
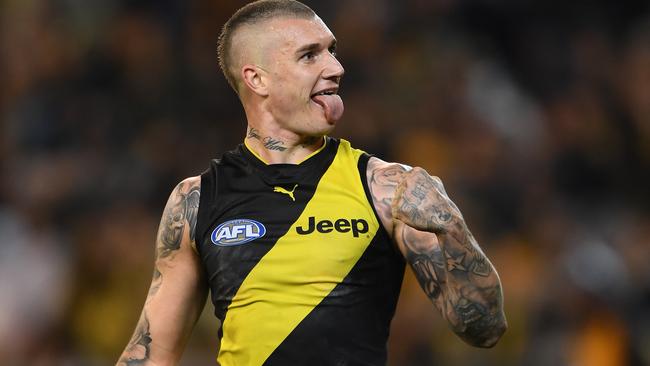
(237, 232)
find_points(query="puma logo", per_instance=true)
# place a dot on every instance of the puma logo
(284, 191)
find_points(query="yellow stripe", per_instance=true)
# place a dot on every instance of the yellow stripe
(300, 270)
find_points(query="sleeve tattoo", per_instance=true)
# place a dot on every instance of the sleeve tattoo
(179, 215)
(445, 257)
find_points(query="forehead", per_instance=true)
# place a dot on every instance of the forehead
(290, 33)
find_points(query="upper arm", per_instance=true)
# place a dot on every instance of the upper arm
(383, 180)
(178, 289)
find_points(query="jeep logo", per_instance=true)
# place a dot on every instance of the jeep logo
(357, 226)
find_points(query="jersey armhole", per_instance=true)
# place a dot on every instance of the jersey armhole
(208, 191)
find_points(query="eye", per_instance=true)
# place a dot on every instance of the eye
(333, 51)
(308, 56)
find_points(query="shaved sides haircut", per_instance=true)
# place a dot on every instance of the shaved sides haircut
(250, 14)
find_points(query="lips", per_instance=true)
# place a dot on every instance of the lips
(331, 103)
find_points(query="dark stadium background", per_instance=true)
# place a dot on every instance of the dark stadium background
(535, 113)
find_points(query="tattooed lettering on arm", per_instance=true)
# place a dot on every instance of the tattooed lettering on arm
(139, 347)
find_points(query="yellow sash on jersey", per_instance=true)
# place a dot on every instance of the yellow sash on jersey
(300, 270)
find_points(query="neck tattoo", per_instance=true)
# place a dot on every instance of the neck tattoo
(268, 142)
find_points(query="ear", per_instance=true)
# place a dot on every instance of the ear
(255, 79)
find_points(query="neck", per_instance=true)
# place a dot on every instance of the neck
(281, 147)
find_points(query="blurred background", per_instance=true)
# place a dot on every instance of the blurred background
(535, 113)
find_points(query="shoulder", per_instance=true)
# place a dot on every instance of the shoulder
(383, 179)
(380, 171)
(180, 216)
(189, 189)
(189, 183)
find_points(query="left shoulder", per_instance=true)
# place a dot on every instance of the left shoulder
(380, 168)
(383, 179)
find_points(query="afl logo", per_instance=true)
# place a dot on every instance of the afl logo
(236, 232)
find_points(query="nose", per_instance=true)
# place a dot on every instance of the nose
(333, 69)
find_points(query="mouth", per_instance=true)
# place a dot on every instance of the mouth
(329, 91)
(330, 103)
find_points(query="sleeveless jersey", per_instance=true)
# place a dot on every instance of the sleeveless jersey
(300, 269)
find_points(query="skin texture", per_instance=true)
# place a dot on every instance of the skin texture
(178, 290)
(433, 237)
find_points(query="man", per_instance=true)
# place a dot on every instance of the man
(300, 238)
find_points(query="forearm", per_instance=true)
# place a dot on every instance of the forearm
(473, 295)
(454, 271)
(163, 329)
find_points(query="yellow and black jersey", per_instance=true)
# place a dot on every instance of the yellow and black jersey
(300, 269)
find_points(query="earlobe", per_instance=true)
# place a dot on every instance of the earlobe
(255, 79)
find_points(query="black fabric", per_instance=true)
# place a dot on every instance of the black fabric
(237, 186)
(351, 325)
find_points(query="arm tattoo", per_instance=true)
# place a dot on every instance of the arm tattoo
(453, 271)
(177, 214)
(477, 319)
(139, 347)
(181, 210)
(426, 260)
(382, 183)
(472, 305)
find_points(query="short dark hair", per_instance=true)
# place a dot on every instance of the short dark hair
(254, 13)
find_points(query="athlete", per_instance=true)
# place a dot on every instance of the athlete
(300, 238)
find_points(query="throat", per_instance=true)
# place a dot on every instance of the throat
(275, 150)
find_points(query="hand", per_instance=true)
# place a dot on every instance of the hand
(421, 202)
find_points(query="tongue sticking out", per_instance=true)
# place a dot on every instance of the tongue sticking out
(332, 106)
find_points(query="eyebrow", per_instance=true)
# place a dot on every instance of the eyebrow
(314, 47)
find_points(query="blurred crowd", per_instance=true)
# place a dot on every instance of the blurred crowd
(535, 114)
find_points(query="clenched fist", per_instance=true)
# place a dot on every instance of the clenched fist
(421, 202)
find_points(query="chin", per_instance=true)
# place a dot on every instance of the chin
(327, 126)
